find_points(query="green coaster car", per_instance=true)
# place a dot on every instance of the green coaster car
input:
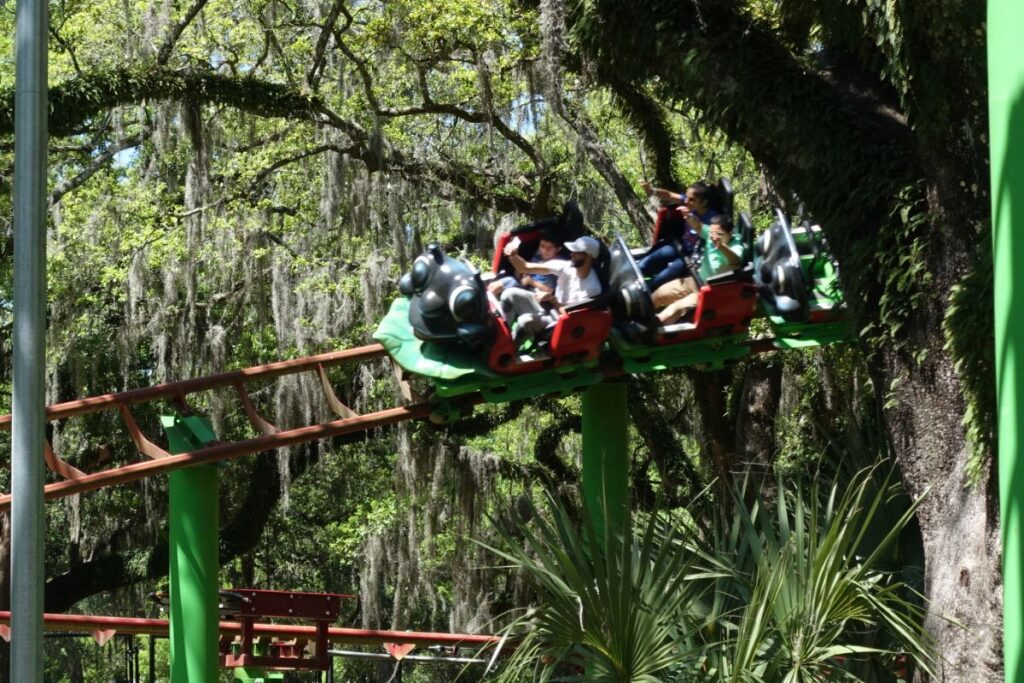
(798, 286)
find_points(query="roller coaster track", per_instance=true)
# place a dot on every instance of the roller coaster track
(159, 461)
(100, 626)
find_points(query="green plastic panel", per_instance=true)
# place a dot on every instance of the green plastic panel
(709, 353)
(434, 361)
(789, 335)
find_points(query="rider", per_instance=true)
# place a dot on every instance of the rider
(723, 251)
(547, 249)
(577, 282)
(666, 260)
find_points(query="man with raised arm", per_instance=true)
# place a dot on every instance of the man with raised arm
(576, 282)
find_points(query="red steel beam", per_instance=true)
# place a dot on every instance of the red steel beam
(96, 404)
(228, 451)
(81, 623)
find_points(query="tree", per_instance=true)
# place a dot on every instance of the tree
(250, 187)
(872, 115)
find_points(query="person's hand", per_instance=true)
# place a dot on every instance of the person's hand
(690, 217)
(509, 249)
(544, 296)
(647, 187)
(526, 281)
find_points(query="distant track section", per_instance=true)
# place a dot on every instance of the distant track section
(80, 623)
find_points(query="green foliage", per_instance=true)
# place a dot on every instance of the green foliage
(791, 584)
(611, 604)
(967, 320)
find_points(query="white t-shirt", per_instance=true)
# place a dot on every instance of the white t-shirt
(570, 288)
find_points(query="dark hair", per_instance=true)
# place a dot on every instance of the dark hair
(723, 221)
(551, 236)
(701, 191)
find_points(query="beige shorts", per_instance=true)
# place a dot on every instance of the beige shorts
(676, 297)
(673, 291)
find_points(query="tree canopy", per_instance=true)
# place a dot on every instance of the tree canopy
(237, 181)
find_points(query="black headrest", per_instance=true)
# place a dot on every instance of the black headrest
(564, 227)
(725, 196)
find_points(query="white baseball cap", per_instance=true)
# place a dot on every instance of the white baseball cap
(586, 245)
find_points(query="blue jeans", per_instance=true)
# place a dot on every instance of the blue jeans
(664, 263)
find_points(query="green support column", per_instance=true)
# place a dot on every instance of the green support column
(1006, 123)
(194, 522)
(606, 453)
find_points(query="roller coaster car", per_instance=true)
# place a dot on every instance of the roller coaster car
(449, 303)
(796, 278)
(580, 331)
(725, 302)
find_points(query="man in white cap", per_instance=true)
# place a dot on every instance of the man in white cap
(577, 282)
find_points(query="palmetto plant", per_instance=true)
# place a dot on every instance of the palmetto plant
(783, 588)
(802, 591)
(613, 605)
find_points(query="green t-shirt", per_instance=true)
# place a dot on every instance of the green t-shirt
(715, 261)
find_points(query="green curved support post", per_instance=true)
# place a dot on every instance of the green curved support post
(606, 454)
(1006, 124)
(194, 522)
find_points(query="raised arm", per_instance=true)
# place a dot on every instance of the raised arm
(520, 264)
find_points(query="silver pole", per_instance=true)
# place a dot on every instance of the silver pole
(27, 511)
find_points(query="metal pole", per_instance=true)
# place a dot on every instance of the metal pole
(29, 359)
(152, 659)
(194, 520)
(605, 454)
(193, 580)
(1006, 126)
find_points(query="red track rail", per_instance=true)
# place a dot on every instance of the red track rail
(79, 623)
(228, 451)
(76, 481)
(178, 390)
(160, 462)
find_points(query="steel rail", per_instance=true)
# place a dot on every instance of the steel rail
(228, 451)
(268, 441)
(82, 623)
(173, 390)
